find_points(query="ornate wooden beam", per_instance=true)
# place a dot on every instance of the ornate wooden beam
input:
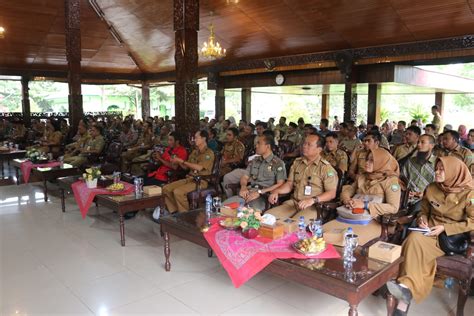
(432, 46)
(246, 104)
(145, 100)
(325, 106)
(25, 100)
(374, 104)
(186, 26)
(73, 54)
(350, 102)
(220, 102)
(439, 101)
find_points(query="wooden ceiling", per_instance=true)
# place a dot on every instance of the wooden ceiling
(249, 29)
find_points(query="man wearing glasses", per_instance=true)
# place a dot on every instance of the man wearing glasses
(311, 179)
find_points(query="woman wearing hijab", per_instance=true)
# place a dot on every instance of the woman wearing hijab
(380, 179)
(447, 206)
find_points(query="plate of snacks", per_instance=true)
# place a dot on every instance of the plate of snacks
(230, 223)
(116, 187)
(310, 246)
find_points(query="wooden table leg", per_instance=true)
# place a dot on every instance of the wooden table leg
(122, 230)
(353, 310)
(167, 251)
(17, 171)
(391, 304)
(209, 252)
(45, 190)
(3, 168)
(63, 198)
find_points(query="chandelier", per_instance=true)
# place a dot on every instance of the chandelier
(2, 32)
(212, 49)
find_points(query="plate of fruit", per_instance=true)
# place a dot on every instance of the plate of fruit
(310, 246)
(116, 187)
(230, 223)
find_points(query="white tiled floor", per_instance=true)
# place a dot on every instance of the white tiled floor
(54, 263)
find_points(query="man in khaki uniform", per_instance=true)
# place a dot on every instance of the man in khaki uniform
(263, 174)
(281, 127)
(75, 148)
(359, 156)
(412, 134)
(350, 142)
(451, 140)
(145, 142)
(233, 151)
(95, 145)
(293, 135)
(199, 163)
(437, 120)
(140, 161)
(312, 180)
(336, 157)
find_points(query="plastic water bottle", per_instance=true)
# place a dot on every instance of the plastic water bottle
(301, 228)
(348, 231)
(449, 283)
(318, 229)
(208, 205)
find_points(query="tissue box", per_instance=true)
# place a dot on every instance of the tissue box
(385, 251)
(289, 225)
(231, 212)
(152, 190)
(273, 232)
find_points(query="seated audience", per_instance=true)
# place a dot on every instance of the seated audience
(95, 145)
(336, 157)
(359, 156)
(233, 151)
(412, 134)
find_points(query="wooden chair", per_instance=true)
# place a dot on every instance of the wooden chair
(111, 161)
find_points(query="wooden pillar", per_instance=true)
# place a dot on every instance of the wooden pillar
(220, 102)
(439, 101)
(186, 26)
(374, 104)
(350, 102)
(73, 54)
(25, 101)
(325, 106)
(246, 104)
(145, 100)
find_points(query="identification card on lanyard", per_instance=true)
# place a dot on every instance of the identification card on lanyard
(307, 188)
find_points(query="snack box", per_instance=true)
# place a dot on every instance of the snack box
(385, 251)
(274, 232)
(333, 232)
(290, 225)
(152, 190)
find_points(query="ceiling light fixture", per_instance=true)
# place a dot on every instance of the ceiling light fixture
(212, 49)
(2, 32)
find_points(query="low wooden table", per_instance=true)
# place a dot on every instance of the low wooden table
(65, 185)
(47, 174)
(366, 276)
(10, 155)
(123, 204)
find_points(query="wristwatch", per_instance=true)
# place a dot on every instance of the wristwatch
(316, 199)
(259, 192)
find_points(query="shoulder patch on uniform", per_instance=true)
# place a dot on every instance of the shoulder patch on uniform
(281, 168)
(395, 187)
(330, 173)
(208, 157)
(472, 201)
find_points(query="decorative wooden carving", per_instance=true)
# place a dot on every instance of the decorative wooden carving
(350, 102)
(186, 25)
(25, 100)
(145, 100)
(220, 102)
(374, 102)
(325, 106)
(73, 53)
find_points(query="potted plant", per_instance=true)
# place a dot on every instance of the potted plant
(249, 221)
(91, 176)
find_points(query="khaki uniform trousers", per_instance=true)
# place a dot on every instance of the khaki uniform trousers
(419, 268)
(127, 157)
(76, 161)
(288, 210)
(137, 167)
(231, 178)
(175, 193)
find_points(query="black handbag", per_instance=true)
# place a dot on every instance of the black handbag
(454, 244)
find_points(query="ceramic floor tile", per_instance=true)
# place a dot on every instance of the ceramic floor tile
(214, 296)
(265, 305)
(113, 291)
(161, 304)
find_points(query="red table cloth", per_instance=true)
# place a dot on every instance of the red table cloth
(243, 258)
(27, 165)
(85, 196)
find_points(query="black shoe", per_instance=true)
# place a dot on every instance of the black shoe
(130, 215)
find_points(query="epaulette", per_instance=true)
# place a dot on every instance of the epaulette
(324, 161)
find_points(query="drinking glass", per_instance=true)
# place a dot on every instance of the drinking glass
(217, 203)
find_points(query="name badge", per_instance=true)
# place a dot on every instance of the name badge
(307, 190)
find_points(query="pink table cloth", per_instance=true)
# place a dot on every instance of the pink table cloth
(27, 165)
(243, 258)
(85, 196)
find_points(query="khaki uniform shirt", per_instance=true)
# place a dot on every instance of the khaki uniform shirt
(294, 137)
(455, 211)
(146, 140)
(80, 143)
(389, 189)
(403, 150)
(437, 120)
(338, 159)
(282, 128)
(320, 175)
(464, 154)
(350, 144)
(266, 172)
(96, 144)
(358, 163)
(384, 143)
(204, 159)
